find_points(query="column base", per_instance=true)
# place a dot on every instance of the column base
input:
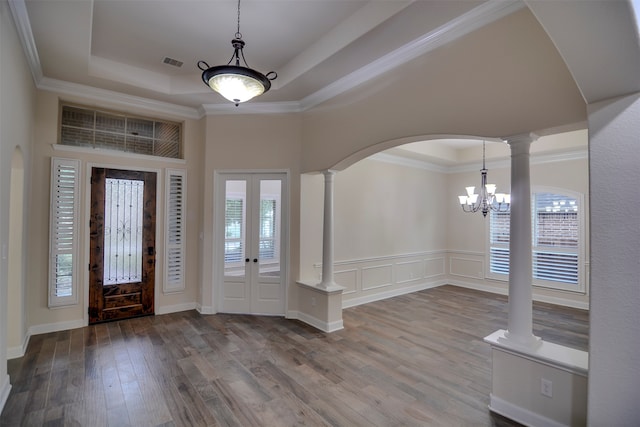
(541, 386)
(320, 305)
(528, 342)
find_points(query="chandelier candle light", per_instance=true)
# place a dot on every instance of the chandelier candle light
(235, 82)
(488, 199)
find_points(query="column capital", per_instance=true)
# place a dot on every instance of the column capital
(328, 172)
(520, 138)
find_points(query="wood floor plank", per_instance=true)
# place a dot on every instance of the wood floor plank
(413, 360)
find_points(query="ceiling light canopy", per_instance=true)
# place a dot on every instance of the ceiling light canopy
(236, 83)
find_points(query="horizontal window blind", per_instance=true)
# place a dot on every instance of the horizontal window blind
(233, 229)
(556, 239)
(63, 238)
(267, 229)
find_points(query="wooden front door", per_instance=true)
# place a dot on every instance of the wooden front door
(122, 244)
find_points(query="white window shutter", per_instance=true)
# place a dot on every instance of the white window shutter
(63, 246)
(175, 233)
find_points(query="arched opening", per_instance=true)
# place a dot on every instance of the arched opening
(16, 320)
(398, 223)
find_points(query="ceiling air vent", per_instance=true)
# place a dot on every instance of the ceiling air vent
(171, 61)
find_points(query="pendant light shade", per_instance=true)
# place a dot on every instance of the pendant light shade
(236, 83)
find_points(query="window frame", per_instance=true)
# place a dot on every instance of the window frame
(580, 286)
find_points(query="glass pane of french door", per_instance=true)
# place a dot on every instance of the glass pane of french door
(235, 226)
(269, 228)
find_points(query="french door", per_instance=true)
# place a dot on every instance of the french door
(122, 244)
(253, 248)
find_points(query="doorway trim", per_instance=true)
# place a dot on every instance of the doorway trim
(159, 264)
(218, 238)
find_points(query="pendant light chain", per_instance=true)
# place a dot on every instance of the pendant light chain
(238, 33)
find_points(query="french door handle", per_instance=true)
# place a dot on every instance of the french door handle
(246, 260)
(255, 260)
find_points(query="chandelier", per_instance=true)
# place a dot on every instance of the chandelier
(488, 199)
(235, 82)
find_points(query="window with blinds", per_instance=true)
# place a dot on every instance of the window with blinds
(234, 231)
(175, 233)
(63, 240)
(556, 239)
(86, 127)
(268, 244)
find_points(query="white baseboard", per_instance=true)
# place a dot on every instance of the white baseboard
(205, 309)
(5, 388)
(504, 291)
(55, 327)
(390, 294)
(18, 351)
(316, 323)
(521, 415)
(176, 308)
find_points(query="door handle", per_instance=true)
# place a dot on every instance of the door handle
(255, 260)
(246, 260)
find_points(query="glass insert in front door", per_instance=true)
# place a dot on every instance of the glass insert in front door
(123, 231)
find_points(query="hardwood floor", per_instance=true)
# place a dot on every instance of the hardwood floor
(412, 360)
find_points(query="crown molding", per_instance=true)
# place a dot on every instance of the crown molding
(407, 162)
(23, 26)
(535, 159)
(252, 108)
(103, 95)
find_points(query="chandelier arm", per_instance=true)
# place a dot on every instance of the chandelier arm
(243, 59)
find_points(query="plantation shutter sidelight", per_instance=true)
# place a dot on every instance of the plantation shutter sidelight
(63, 271)
(176, 181)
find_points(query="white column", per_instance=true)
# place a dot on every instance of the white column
(520, 326)
(327, 232)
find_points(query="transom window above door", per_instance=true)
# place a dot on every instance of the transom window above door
(86, 127)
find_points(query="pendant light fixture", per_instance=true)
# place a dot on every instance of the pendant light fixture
(488, 199)
(235, 82)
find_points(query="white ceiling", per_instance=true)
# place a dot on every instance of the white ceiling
(119, 46)
(114, 49)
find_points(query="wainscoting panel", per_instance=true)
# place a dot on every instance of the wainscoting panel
(409, 271)
(466, 267)
(378, 276)
(348, 279)
(434, 267)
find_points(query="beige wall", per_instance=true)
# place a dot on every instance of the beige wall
(380, 209)
(40, 317)
(17, 104)
(496, 97)
(250, 143)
